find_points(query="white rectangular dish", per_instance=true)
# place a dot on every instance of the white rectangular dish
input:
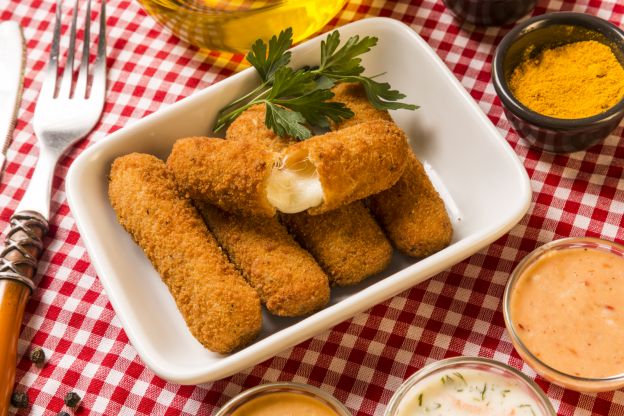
(484, 185)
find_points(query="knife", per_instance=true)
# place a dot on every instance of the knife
(12, 60)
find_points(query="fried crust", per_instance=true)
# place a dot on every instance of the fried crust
(413, 214)
(288, 280)
(250, 127)
(221, 310)
(355, 162)
(230, 175)
(354, 97)
(347, 242)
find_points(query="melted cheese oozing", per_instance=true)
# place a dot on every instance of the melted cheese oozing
(294, 185)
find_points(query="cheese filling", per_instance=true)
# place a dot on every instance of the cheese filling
(294, 185)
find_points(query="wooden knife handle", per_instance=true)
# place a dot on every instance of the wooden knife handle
(18, 265)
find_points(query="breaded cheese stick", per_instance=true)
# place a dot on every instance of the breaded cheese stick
(347, 242)
(348, 164)
(319, 174)
(411, 212)
(221, 310)
(230, 175)
(288, 280)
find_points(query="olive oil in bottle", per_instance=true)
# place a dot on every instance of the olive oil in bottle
(233, 25)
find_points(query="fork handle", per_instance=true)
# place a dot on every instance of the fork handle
(18, 265)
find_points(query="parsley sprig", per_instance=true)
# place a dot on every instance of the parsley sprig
(296, 99)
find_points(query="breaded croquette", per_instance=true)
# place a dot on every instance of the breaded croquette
(288, 280)
(321, 173)
(230, 175)
(221, 310)
(347, 242)
(351, 163)
(249, 126)
(354, 97)
(413, 214)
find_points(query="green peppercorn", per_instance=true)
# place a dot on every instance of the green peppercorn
(19, 400)
(37, 356)
(72, 399)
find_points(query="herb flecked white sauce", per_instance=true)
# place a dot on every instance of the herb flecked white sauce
(469, 392)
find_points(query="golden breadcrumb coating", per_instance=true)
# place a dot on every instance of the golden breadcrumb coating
(221, 310)
(288, 280)
(347, 242)
(249, 126)
(354, 162)
(413, 214)
(230, 175)
(354, 97)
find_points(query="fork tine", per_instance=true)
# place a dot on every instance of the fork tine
(98, 86)
(83, 75)
(49, 83)
(68, 73)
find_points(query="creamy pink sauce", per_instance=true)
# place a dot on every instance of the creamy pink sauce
(568, 310)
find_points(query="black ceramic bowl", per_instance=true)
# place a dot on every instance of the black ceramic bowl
(490, 12)
(542, 32)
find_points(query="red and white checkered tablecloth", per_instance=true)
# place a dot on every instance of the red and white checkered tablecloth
(361, 361)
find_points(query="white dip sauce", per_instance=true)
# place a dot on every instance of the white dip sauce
(469, 392)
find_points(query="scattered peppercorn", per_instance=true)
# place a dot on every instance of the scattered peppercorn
(19, 400)
(63, 414)
(72, 399)
(37, 356)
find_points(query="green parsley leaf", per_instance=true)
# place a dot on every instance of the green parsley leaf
(297, 99)
(315, 108)
(381, 95)
(290, 83)
(285, 122)
(344, 65)
(278, 56)
(298, 92)
(324, 83)
(344, 61)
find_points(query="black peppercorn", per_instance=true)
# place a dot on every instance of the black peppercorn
(37, 356)
(72, 399)
(62, 414)
(19, 400)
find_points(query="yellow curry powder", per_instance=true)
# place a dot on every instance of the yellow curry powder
(576, 80)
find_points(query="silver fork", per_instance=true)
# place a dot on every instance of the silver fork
(61, 118)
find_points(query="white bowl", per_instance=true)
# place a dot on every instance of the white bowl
(484, 185)
(423, 377)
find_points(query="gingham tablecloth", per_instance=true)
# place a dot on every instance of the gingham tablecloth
(361, 361)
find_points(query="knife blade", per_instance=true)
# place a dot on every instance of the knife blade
(12, 61)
